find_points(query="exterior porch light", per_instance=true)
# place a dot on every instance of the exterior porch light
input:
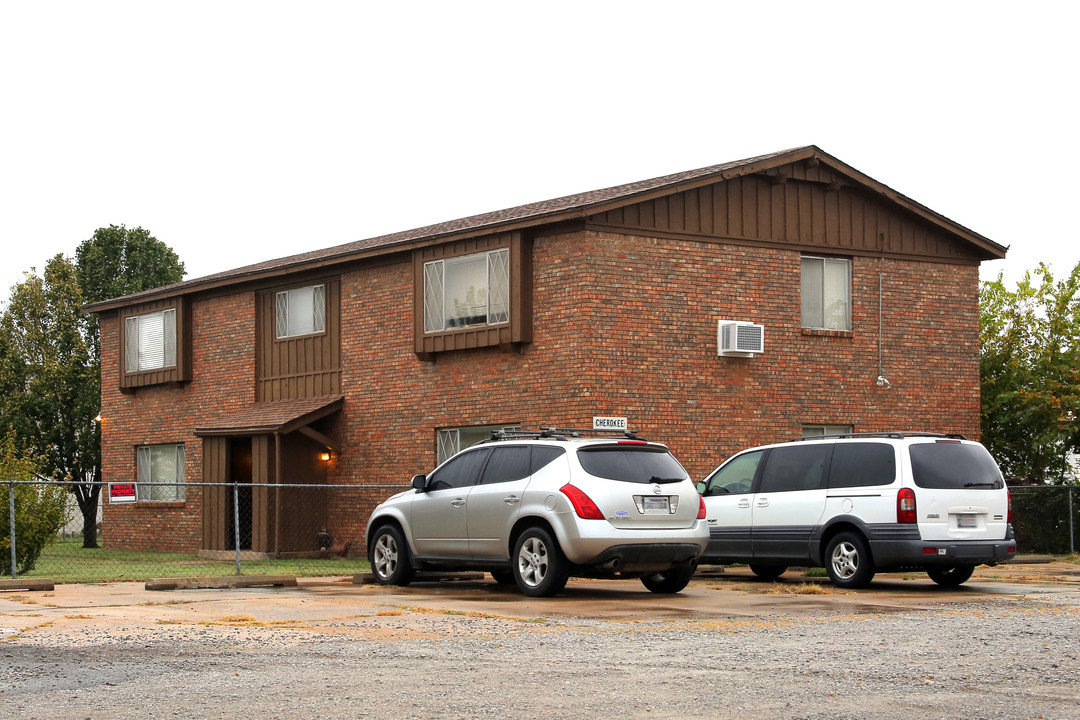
(325, 457)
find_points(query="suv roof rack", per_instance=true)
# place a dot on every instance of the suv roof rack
(554, 433)
(894, 435)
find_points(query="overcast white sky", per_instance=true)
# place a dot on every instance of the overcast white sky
(237, 132)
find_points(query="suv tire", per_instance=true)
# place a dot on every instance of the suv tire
(670, 581)
(847, 558)
(503, 577)
(768, 572)
(950, 576)
(540, 569)
(389, 557)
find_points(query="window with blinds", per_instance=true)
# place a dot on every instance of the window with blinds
(160, 472)
(301, 311)
(150, 341)
(826, 293)
(467, 291)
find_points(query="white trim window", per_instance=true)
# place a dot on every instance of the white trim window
(160, 472)
(826, 293)
(822, 430)
(301, 311)
(467, 291)
(451, 441)
(150, 341)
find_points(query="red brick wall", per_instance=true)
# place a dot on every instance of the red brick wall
(223, 378)
(623, 326)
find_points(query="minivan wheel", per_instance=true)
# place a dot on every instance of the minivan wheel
(389, 557)
(950, 576)
(768, 572)
(670, 581)
(847, 559)
(539, 566)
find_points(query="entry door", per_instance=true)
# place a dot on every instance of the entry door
(438, 515)
(790, 501)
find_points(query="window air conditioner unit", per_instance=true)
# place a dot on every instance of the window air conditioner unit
(739, 339)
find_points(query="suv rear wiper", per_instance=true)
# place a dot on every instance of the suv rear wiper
(663, 481)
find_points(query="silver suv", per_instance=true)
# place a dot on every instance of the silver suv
(535, 508)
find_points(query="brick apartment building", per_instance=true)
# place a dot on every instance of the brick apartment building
(371, 361)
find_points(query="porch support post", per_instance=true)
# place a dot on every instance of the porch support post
(277, 494)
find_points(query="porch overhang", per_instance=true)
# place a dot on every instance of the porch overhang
(280, 417)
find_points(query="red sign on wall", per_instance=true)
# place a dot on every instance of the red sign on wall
(122, 493)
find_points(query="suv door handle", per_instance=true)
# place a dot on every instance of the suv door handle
(511, 499)
(457, 502)
(763, 502)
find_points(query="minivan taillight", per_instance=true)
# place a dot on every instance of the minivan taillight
(583, 504)
(701, 508)
(1008, 497)
(905, 506)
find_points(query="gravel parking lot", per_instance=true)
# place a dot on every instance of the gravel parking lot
(1003, 646)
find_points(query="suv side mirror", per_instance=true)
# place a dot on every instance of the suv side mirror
(701, 488)
(419, 483)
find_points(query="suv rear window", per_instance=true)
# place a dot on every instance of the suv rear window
(953, 465)
(629, 463)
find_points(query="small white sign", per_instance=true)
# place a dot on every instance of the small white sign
(609, 423)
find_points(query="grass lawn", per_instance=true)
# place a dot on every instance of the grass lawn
(68, 562)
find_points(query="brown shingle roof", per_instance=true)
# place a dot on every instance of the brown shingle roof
(538, 213)
(266, 418)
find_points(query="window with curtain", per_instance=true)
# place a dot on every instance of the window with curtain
(826, 293)
(160, 472)
(150, 341)
(467, 291)
(301, 311)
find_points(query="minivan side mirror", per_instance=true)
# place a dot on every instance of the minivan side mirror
(701, 488)
(419, 483)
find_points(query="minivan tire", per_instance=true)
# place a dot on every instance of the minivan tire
(847, 559)
(670, 581)
(388, 554)
(768, 572)
(950, 576)
(539, 567)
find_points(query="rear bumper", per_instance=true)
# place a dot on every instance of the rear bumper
(644, 558)
(921, 553)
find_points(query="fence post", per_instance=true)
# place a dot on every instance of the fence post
(11, 502)
(236, 522)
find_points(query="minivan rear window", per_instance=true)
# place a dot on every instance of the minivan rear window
(631, 463)
(954, 465)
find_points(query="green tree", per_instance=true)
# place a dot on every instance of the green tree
(40, 510)
(1030, 366)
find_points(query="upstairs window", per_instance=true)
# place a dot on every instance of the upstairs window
(468, 291)
(826, 293)
(150, 341)
(160, 473)
(301, 311)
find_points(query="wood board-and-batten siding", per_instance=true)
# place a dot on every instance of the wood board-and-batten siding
(807, 206)
(298, 367)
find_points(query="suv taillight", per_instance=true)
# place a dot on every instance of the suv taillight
(1008, 496)
(701, 508)
(583, 504)
(905, 506)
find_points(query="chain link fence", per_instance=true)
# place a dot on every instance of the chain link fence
(1046, 519)
(157, 530)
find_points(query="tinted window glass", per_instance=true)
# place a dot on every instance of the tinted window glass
(860, 464)
(954, 465)
(543, 456)
(737, 476)
(799, 467)
(631, 463)
(507, 464)
(461, 471)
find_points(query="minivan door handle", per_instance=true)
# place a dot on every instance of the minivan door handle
(763, 502)
(744, 502)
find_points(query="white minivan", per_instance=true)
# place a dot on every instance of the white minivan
(858, 504)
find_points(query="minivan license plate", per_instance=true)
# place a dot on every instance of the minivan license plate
(655, 504)
(966, 521)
